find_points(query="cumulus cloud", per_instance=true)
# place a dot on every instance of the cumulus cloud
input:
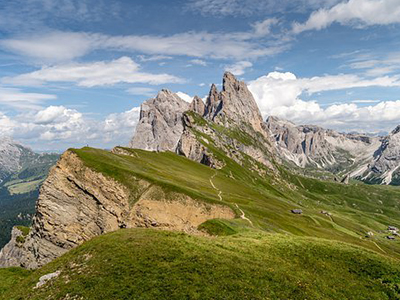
(239, 68)
(354, 13)
(119, 127)
(16, 98)
(58, 127)
(122, 70)
(279, 94)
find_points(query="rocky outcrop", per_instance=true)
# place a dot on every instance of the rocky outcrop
(242, 144)
(197, 106)
(233, 108)
(318, 147)
(160, 124)
(384, 167)
(77, 203)
(235, 102)
(13, 252)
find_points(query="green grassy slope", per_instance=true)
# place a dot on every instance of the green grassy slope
(355, 209)
(151, 264)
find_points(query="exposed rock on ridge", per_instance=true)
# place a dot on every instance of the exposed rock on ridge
(235, 102)
(384, 167)
(315, 146)
(160, 124)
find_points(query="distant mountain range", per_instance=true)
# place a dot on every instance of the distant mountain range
(21, 173)
(363, 157)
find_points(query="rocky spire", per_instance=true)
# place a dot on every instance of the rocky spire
(197, 106)
(212, 103)
(235, 102)
(160, 124)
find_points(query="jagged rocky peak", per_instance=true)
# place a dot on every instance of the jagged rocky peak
(197, 106)
(313, 145)
(386, 165)
(235, 102)
(160, 124)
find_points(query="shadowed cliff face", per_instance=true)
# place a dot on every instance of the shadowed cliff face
(77, 203)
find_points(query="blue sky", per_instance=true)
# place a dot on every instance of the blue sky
(75, 72)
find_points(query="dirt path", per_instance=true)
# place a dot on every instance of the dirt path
(243, 216)
(379, 247)
(214, 187)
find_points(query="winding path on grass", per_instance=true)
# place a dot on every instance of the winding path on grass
(214, 187)
(242, 216)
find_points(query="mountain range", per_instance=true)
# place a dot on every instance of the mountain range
(244, 193)
(22, 171)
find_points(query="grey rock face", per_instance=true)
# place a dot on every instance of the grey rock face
(160, 124)
(235, 102)
(10, 156)
(13, 252)
(314, 146)
(197, 106)
(14, 157)
(385, 165)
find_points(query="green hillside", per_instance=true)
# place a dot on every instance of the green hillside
(151, 264)
(267, 201)
(336, 249)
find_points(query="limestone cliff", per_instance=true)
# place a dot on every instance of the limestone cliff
(234, 108)
(160, 123)
(234, 102)
(77, 203)
(313, 146)
(384, 166)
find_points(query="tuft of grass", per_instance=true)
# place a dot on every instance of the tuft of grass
(24, 229)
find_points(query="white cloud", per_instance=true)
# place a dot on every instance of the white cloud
(145, 91)
(59, 46)
(254, 7)
(51, 47)
(119, 127)
(263, 28)
(58, 127)
(122, 70)
(16, 98)
(185, 97)
(198, 62)
(353, 13)
(376, 65)
(279, 94)
(153, 57)
(239, 68)
(365, 101)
